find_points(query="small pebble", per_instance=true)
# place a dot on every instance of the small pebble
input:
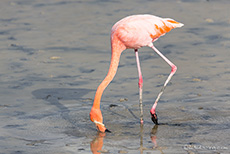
(209, 20)
(122, 151)
(160, 76)
(196, 79)
(112, 105)
(123, 99)
(81, 149)
(87, 99)
(103, 151)
(4, 105)
(54, 58)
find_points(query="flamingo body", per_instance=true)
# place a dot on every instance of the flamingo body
(133, 32)
(137, 31)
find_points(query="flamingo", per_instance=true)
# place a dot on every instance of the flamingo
(134, 32)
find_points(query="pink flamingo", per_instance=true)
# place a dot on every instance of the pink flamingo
(133, 32)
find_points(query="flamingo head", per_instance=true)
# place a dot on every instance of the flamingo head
(154, 116)
(96, 117)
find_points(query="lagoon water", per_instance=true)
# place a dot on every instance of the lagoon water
(55, 53)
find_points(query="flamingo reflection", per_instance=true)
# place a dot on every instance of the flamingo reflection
(97, 143)
(153, 136)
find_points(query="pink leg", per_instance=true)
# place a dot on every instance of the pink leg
(173, 71)
(140, 83)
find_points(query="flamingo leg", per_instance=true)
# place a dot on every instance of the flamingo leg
(140, 84)
(173, 71)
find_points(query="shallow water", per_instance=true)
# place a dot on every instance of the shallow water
(54, 55)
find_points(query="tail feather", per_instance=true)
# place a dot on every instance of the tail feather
(174, 23)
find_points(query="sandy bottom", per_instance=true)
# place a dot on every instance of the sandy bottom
(55, 53)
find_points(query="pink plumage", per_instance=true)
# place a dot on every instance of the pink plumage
(141, 30)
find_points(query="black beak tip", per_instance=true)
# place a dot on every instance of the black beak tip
(154, 118)
(108, 131)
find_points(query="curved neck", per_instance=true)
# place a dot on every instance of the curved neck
(117, 47)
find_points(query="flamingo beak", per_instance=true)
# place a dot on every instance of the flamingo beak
(101, 127)
(108, 131)
(154, 118)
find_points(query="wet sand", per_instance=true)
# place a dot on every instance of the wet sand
(55, 53)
